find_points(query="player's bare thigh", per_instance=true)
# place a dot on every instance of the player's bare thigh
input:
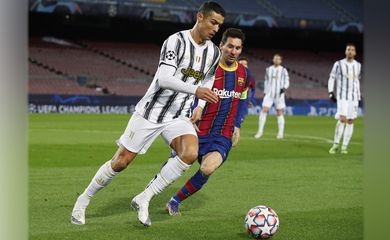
(211, 162)
(186, 147)
(122, 158)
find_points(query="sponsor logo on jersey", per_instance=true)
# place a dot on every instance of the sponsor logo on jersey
(189, 72)
(223, 93)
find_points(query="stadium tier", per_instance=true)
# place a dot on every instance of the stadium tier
(126, 69)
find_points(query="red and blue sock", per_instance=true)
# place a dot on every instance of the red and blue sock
(194, 184)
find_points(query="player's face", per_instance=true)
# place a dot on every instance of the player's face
(350, 52)
(277, 60)
(209, 24)
(231, 50)
(244, 62)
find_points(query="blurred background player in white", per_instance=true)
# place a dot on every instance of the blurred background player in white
(347, 73)
(276, 82)
(187, 65)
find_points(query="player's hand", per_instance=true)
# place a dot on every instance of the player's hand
(282, 90)
(236, 136)
(196, 116)
(206, 94)
(332, 97)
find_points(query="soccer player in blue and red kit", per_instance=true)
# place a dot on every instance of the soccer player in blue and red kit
(217, 124)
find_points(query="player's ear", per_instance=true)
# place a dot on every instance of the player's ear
(199, 16)
(220, 45)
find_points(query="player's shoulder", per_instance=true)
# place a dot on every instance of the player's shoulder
(181, 35)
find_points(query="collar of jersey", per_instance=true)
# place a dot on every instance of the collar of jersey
(230, 69)
(195, 43)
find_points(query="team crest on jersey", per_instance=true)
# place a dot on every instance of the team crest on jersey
(189, 72)
(240, 81)
(170, 55)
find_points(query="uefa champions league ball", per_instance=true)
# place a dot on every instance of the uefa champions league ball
(261, 222)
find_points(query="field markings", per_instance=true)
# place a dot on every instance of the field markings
(288, 137)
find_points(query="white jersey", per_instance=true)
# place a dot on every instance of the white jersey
(347, 74)
(275, 79)
(193, 64)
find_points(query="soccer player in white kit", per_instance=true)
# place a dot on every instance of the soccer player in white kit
(276, 82)
(187, 65)
(347, 73)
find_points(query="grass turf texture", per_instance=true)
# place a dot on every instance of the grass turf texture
(316, 195)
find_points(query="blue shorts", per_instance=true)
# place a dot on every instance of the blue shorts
(212, 143)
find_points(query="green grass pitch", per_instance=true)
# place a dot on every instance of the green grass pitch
(317, 196)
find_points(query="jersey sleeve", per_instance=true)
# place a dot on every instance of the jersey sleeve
(266, 81)
(171, 50)
(286, 83)
(332, 77)
(358, 82)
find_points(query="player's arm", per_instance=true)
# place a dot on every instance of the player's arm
(167, 69)
(286, 82)
(266, 82)
(332, 78)
(240, 115)
(358, 82)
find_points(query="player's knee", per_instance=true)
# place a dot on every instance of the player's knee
(207, 170)
(350, 121)
(189, 155)
(122, 160)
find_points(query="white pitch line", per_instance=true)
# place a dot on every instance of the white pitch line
(290, 137)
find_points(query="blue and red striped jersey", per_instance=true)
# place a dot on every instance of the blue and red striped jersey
(229, 85)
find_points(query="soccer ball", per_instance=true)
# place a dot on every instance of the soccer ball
(261, 222)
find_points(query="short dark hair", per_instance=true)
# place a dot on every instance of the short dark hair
(351, 45)
(233, 33)
(207, 7)
(243, 59)
(278, 54)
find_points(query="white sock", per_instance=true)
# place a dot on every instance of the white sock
(347, 134)
(169, 173)
(262, 120)
(281, 125)
(339, 132)
(101, 179)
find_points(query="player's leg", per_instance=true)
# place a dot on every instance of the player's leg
(183, 140)
(339, 131)
(137, 138)
(280, 106)
(352, 114)
(347, 136)
(210, 163)
(102, 178)
(267, 103)
(342, 111)
(280, 117)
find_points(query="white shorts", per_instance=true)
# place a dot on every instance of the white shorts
(278, 101)
(141, 133)
(347, 108)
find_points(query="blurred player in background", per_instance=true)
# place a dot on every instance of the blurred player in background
(250, 93)
(217, 123)
(347, 73)
(187, 65)
(276, 82)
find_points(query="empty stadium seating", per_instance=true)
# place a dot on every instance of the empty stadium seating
(105, 64)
